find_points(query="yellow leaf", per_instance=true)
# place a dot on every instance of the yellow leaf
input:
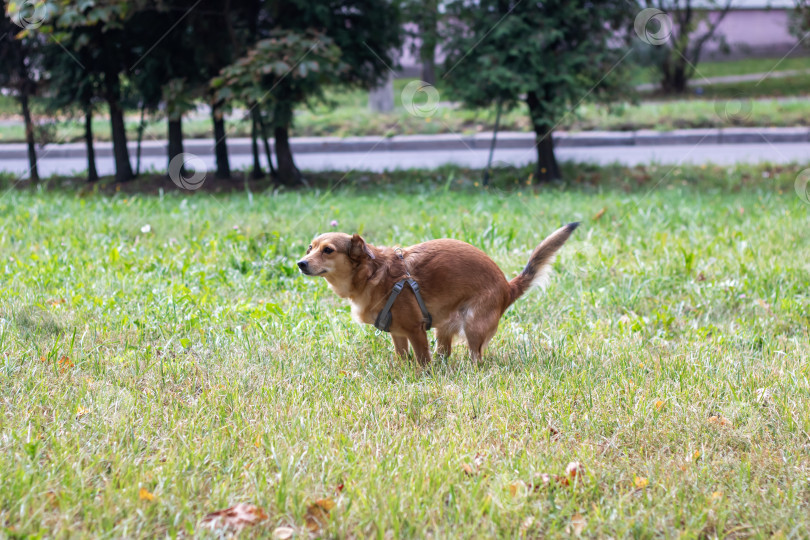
(640, 481)
(258, 442)
(81, 411)
(144, 495)
(659, 405)
(717, 495)
(318, 514)
(599, 214)
(578, 523)
(516, 488)
(720, 420)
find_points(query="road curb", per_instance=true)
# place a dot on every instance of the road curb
(443, 142)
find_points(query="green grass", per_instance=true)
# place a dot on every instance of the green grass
(193, 361)
(746, 66)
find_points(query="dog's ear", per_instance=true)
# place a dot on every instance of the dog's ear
(359, 249)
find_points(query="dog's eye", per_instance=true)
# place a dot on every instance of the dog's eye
(309, 248)
(328, 250)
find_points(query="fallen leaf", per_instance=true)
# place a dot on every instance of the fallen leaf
(555, 433)
(575, 469)
(717, 495)
(318, 514)
(640, 481)
(700, 277)
(659, 405)
(577, 524)
(339, 488)
(516, 488)
(468, 469)
(144, 495)
(719, 420)
(258, 442)
(696, 454)
(283, 533)
(236, 517)
(81, 411)
(599, 214)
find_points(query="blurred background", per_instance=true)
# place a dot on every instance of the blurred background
(266, 89)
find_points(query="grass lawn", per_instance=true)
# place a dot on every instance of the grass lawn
(153, 375)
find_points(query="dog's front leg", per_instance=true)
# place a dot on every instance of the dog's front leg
(421, 349)
(400, 345)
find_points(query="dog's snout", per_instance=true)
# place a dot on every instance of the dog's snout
(303, 265)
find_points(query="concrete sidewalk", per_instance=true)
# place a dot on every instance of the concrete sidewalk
(445, 142)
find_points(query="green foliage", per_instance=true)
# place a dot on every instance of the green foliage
(560, 51)
(284, 69)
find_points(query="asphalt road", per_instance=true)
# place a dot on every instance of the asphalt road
(722, 154)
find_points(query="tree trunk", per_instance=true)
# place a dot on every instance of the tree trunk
(140, 142)
(220, 144)
(92, 173)
(429, 70)
(123, 168)
(547, 168)
(674, 79)
(175, 137)
(267, 152)
(29, 135)
(288, 173)
(254, 145)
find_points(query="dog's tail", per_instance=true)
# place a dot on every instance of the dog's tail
(539, 266)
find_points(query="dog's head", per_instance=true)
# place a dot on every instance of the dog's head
(335, 256)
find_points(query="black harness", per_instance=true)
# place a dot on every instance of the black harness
(383, 321)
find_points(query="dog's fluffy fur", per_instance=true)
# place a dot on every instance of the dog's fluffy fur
(464, 290)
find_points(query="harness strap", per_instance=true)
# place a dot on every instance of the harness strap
(383, 321)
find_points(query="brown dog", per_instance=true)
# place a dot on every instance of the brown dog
(464, 290)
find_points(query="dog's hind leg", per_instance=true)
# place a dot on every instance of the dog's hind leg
(479, 333)
(400, 345)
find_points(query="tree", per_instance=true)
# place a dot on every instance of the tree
(100, 31)
(362, 33)
(295, 66)
(425, 17)
(18, 57)
(550, 56)
(677, 31)
(69, 88)
(800, 20)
